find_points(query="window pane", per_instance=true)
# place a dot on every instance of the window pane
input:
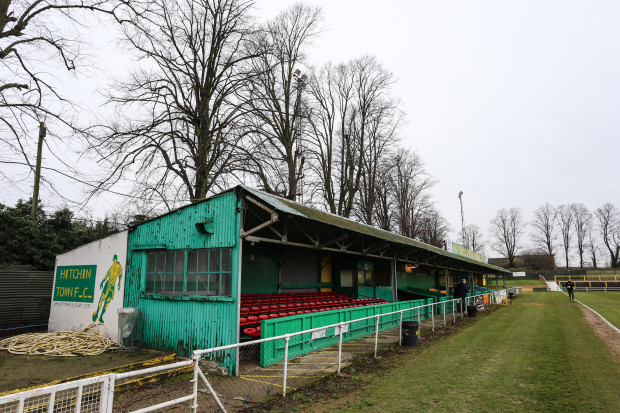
(170, 261)
(159, 283)
(179, 264)
(151, 257)
(178, 284)
(202, 283)
(214, 284)
(191, 283)
(203, 260)
(192, 261)
(226, 285)
(227, 259)
(150, 283)
(161, 261)
(214, 261)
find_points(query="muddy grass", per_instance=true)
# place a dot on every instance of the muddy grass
(604, 331)
(21, 371)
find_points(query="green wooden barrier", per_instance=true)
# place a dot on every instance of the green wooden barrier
(273, 351)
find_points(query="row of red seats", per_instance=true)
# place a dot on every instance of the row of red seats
(267, 309)
(290, 299)
(258, 307)
(257, 319)
(291, 306)
(291, 294)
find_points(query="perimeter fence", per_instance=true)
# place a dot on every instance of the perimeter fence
(266, 368)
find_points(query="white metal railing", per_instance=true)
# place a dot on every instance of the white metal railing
(604, 289)
(91, 395)
(96, 394)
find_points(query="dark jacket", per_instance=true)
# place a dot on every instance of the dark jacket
(461, 290)
(570, 285)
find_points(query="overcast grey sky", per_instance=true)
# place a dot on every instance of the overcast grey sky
(515, 103)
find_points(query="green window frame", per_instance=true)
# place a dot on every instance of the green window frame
(189, 272)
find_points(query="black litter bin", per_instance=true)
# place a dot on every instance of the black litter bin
(411, 333)
(472, 311)
(511, 295)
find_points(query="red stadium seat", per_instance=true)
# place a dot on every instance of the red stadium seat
(252, 332)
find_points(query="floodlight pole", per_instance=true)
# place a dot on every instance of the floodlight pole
(301, 80)
(462, 217)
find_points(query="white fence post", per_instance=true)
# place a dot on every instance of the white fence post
(433, 315)
(444, 313)
(78, 399)
(109, 405)
(195, 385)
(286, 340)
(377, 335)
(341, 327)
(400, 330)
(453, 311)
(52, 400)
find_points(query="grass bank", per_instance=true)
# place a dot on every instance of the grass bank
(536, 355)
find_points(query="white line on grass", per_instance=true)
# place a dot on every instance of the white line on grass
(601, 317)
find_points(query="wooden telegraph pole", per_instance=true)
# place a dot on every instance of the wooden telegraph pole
(37, 173)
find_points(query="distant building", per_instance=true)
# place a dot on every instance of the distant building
(528, 261)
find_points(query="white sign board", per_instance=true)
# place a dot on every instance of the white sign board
(89, 286)
(518, 274)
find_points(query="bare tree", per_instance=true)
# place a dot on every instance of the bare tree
(543, 227)
(507, 228)
(566, 224)
(434, 229)
(275, 151)
(608, 219)
(179, 119)
(384, 210)
(409, 185)
(376, 119)
(472, 234)
(593, 247)
(353, 123)
(34, 36)
(336, 157)
(583, 222)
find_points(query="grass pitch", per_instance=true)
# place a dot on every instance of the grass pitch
(606, 304)
(537, 355)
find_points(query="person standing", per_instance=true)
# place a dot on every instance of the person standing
(461, 291)
(570, 288)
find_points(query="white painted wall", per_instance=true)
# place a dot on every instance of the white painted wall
(80, 281)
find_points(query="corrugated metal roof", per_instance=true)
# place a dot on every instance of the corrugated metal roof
(287, 206)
